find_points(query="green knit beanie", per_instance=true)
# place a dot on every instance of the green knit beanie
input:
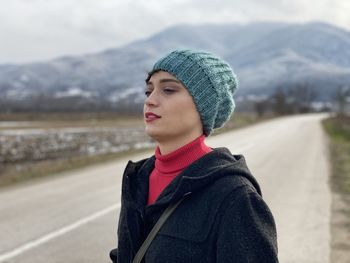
(209, 80)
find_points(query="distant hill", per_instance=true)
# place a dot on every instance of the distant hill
(264, 56)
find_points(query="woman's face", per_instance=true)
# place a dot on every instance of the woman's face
(169, 110)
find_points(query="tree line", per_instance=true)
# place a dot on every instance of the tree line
(299, 99)
(284, 100)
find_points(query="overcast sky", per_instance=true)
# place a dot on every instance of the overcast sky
(34, 30)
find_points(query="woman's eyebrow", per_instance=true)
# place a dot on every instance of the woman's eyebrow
(168, 80)
(163, 81)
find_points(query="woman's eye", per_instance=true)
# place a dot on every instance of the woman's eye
(165, 90)
(168, 90)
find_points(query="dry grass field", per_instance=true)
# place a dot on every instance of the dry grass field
(37, 145)
(338, 129)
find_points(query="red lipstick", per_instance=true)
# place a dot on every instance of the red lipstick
(150, 116)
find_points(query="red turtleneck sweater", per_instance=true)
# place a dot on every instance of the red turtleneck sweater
(168, 166)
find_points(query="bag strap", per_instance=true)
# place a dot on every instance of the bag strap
(142, 250)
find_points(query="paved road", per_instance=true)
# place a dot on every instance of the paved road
(72, 218)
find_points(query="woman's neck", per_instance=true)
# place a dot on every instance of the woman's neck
(169, 146)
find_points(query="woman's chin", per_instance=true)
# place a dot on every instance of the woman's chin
(158, 135)
(153, 133)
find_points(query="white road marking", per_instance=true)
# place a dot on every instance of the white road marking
(56, 233)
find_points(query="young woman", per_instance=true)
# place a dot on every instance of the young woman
(222, 217)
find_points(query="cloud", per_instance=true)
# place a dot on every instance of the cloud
(41, 29)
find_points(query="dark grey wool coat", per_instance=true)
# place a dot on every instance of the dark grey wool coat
(223, 218)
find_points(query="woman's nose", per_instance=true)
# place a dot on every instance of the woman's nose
(152, 99)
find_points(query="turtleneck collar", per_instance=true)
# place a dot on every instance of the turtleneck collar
(181, 158)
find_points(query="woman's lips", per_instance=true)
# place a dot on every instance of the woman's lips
(150, 116)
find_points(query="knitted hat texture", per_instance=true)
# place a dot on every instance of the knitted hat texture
(209, 80)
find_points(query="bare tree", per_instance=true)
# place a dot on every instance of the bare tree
(301, 96)
(261, 106)
(279, 102)
(341, 97)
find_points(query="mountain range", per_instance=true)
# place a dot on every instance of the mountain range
(265, 56)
